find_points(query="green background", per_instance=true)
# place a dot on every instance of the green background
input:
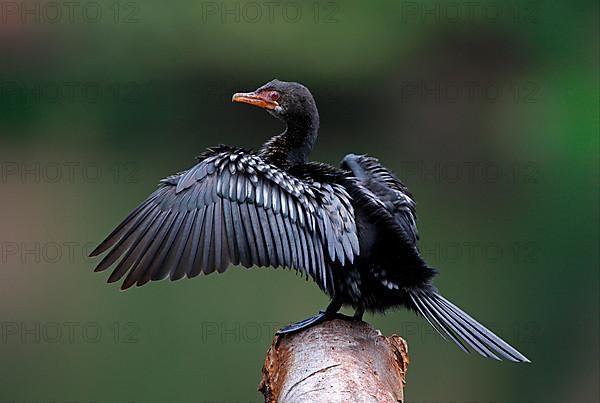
(506, 184)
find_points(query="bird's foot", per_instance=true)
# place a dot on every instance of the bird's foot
(321, 317)
(324, 315)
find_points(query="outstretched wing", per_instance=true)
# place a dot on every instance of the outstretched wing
(232, 207)
(388, 190)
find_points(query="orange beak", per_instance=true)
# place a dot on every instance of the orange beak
(254, 98)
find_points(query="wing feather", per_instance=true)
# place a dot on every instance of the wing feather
(179, 255)
(196, 253)
(387, 191)
(208, 257)
(233, 207)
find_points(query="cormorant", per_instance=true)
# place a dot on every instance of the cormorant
(352, 229)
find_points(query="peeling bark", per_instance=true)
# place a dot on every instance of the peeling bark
(336, 361)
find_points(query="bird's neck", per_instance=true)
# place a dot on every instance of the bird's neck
(293, 146)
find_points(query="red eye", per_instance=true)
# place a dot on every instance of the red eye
(274, 96)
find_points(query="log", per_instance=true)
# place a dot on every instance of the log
(336, 361)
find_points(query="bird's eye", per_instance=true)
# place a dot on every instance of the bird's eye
(274, 96)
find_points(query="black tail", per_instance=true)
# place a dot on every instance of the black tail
(449, 320)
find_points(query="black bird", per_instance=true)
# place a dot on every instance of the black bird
(352, 229)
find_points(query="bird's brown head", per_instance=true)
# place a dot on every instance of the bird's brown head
(285, 100)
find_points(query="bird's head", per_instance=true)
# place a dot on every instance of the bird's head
(285, 100)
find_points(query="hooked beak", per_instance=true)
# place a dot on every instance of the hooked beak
(256, 99)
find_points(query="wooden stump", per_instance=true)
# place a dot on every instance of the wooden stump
(336, 361)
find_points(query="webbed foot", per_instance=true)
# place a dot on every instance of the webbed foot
(322, 316)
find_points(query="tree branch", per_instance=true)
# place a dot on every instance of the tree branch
(336, 361)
